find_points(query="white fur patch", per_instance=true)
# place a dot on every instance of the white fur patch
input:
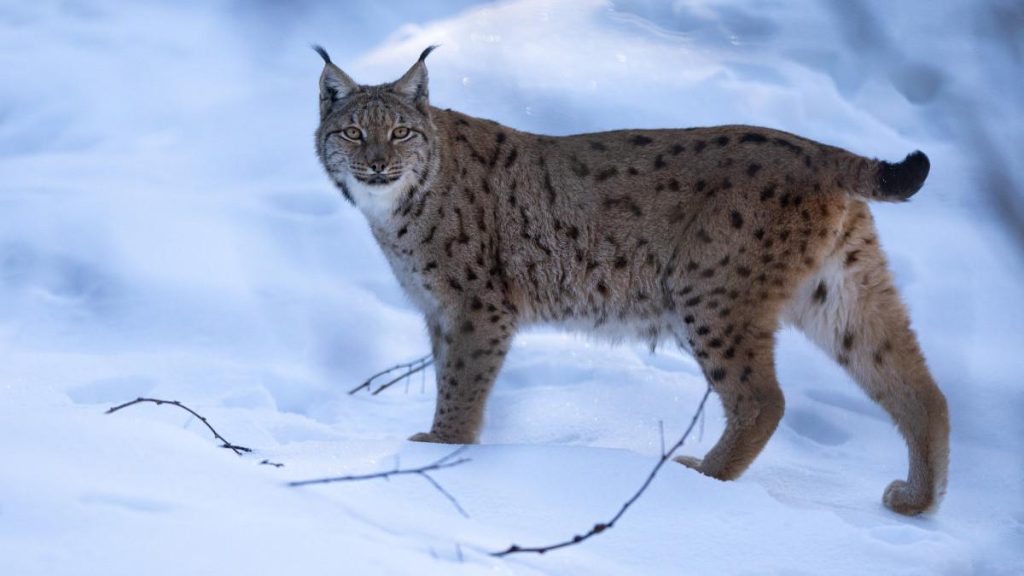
(377, 201)
(824, 321)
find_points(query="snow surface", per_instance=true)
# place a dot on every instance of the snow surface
(165, 230)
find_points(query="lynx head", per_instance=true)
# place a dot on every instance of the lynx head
(376, 141)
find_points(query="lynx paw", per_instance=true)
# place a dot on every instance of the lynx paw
(901, 498)
(689, 462)
(435, 439)
(425, 437)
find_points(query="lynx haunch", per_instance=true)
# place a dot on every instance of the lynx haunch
(707, 237)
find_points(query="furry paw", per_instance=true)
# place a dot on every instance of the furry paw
(901, 498)
(425, 437)
(435, 439)
(689, 462)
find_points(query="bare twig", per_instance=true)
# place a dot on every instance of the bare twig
(602, 526)
(410, 368)
(224, 442)
(266, 462)
(448, 461)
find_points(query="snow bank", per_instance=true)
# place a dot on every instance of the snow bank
(165, 231)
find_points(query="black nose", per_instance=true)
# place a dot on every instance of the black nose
(378, 166)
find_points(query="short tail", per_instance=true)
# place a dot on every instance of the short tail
(900, 181)
(878, 179)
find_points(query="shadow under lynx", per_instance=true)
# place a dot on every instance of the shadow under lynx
(706, 237)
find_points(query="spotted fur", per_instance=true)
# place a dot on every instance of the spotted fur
(705, 237)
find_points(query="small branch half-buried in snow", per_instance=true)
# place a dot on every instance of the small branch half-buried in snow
(224, 442)
(448, 461)
(409, 368)
(602, 526)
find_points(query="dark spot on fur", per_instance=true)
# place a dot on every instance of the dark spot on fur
(579, 168)
(852, 257)
(752, 137)
(673, 185)
(699, 146)
(717, 374)
(512, 155)
(753, 169)
(573, 232)
(847, 340)
(623, 202)
(595, 145)
(606, 174)
(722, 140)
(677, 149)
(659, 162)
(820, 293)
(737, 220)
(632, 171)
(745, 375)
(640, 140)
(701, 185)
(768, 192)
(787, 145)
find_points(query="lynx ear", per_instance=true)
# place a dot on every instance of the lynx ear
(413, 85)
(334, 84)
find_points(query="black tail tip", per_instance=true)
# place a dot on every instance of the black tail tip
(902, 180)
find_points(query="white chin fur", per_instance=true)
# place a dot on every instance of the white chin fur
(376, 200)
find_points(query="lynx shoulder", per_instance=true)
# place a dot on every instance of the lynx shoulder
(709, 238)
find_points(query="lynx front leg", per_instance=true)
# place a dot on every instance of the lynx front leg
(472, 348)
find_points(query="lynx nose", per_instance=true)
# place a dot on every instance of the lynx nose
(378, 166)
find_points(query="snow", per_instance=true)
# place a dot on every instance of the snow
(165, 231)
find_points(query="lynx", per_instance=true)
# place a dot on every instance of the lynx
(707, 237)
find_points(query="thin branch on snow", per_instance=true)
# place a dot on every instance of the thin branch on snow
(409, 368)
(602, 526)
(448, 461)
(224, 442)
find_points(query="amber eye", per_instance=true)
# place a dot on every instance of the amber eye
(400, 133)
(353, 133)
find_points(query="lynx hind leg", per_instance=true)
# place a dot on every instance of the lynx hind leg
(737, 358)
(851, 310)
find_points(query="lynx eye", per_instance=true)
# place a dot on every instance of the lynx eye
(400, 133)
(353, 133)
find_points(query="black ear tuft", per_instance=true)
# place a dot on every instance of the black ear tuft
(427, 52)
(323, 53)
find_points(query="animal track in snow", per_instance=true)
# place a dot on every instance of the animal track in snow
(815, 428)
